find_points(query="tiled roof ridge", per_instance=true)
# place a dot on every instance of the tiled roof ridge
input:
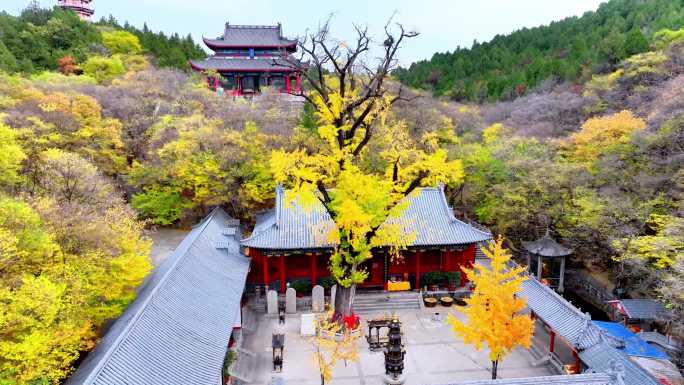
(559, 298)
(280, 190)
(111, 349)
(450, 211)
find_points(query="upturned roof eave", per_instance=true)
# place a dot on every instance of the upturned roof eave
(217, 43)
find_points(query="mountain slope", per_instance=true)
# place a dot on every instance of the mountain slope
(567, 50)
(38, 38)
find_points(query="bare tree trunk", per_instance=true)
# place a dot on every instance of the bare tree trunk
(344, 300)
(495, 367)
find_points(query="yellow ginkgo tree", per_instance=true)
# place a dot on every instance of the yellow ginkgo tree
(493, 315)
(364, 162)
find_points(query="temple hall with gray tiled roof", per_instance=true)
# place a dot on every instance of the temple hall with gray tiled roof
(252, 58)
(178, 328)
(292, 242)
(428, 214)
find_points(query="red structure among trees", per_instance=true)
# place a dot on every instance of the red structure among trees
(248, 58)
(81, 7)
(290, 243)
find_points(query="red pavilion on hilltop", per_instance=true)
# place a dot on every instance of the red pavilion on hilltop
(251, 57)
(81, 7)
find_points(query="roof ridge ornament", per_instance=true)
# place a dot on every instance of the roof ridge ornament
(617, 372)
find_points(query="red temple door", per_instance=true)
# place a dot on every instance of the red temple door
(376, 272)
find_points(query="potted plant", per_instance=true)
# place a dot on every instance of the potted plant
(433, 279)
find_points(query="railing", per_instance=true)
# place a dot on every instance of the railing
(591, 290)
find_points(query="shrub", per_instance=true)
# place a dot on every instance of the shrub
(121, 42)
(453, 278)
(326, 282)
(164, 207)
(103, 69)
(302, 287)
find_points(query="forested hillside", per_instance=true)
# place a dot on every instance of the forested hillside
(39, 38)
(568, 50)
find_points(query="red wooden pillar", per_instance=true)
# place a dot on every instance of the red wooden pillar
(552, 342)
(417, 270)
(287, 83)
(282, 273)
(298, 83)
(264, 265)
(314, 269)
(577, 361)
(467, 260)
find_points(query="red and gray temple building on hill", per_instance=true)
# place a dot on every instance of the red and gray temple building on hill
(290, 243)
(250, 58)
(81, 7)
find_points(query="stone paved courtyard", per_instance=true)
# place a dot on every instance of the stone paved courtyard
(433, 355)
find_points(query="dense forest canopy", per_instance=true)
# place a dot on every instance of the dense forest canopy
(97, 143)
(568, 50)
(38, 38)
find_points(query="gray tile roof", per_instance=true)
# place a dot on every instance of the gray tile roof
(643, 308)
(568, 321)
(234, 64)
(251, 36)
(295, 227)
(577, 379)
(602, 358)
(177, 329)
(546, 247)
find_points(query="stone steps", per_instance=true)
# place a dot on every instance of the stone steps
(385, 302)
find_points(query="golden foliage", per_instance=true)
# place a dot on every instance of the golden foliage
(493, 315)
(598, 135)
(361, 188)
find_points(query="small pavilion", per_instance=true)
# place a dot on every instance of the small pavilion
(546, 261)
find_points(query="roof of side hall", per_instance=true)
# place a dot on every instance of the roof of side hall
(177, 329)
(251, 36)
(291, 226)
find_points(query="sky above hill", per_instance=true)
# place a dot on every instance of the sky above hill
(443, 24)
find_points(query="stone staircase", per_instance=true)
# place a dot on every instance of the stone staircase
(385, 303)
